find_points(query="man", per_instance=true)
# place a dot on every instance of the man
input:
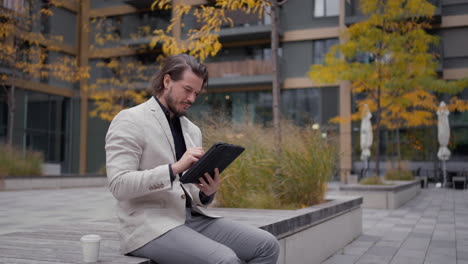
(148, 147)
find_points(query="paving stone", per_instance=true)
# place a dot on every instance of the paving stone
(406, 260)
(419, 235)
(447, 252)
(341, 259)
(368, 238)
(442, 244)
(389, 243)
(439, 259)
(416, 244)
(370, 259)
(381, 251)
(355, 251)
(462, 255)
(409, 253)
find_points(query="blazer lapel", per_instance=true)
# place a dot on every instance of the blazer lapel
(189, 142)
(162, 120)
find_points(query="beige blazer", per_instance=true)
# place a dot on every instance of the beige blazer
(139, 149)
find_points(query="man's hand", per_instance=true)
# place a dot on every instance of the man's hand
(212, 186)
(190, 156)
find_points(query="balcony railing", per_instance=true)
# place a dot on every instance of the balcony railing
(239, 68)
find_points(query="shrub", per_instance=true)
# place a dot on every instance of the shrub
(14, 163)
(375, 180)
(399, 175)
(260, 178)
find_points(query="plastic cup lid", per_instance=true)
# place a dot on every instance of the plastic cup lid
(90, 238)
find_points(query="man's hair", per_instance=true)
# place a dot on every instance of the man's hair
(175, 66)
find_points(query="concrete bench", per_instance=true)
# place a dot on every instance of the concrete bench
(308, 235)
(459, 181)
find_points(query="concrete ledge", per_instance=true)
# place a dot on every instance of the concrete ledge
(308, 235)
(384, 196)
(13, 183)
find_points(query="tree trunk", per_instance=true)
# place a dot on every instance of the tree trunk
(391, 148)
(398, 148)
(11, 114)
(377, 124)
(276, 77)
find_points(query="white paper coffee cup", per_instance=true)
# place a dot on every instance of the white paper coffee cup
(90, 245)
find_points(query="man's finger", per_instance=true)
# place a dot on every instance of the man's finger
(210, 179)
(202, 181)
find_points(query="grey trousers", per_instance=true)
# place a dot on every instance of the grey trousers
(206, 240)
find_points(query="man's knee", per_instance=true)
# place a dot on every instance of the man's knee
(226, 256)
(272, 244)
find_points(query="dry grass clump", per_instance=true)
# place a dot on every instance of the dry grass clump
(262, 178)
(399, 175)
(375, 180)
(14, 163)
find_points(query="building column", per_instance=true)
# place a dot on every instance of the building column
(345, 112)
(83, 55)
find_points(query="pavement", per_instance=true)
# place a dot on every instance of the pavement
(430, 229)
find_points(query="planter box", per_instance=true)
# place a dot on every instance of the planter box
(384, 196)
(12, 183)
(309, 235)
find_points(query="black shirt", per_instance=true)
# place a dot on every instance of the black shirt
(180, 148)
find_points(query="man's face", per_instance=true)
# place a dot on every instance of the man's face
(178, 96)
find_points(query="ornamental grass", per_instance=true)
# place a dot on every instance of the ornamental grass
(263, 178)
(13, 162)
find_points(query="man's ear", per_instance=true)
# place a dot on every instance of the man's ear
(166, 80)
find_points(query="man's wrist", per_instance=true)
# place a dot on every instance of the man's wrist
(206, 199)
(175, 168)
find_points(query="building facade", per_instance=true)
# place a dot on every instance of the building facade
(52, 115)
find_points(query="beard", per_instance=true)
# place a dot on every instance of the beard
(172, 103)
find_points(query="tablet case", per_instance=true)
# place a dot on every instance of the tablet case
(220, 155)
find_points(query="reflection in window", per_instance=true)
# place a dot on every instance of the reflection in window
(326, 8)
(15, 5)
(46, 117)
(321, 47)
(235, 107)
(303, 106)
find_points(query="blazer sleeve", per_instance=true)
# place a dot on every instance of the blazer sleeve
(125, 142)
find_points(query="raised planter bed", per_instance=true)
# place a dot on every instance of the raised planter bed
(389, 196)
(13, 183)
(308, 235)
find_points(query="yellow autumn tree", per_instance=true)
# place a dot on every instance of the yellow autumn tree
(25, 51)
(398, 81)
(121, 81)
(201, 40)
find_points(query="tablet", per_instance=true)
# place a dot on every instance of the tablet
(220, 155)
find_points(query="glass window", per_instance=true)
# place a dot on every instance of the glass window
(132, 24)
(3, 114)
(123, 71)
(321, 47)
(326, 8)
(105, 31)
(303, 106)
(15, 5)
(63, 23)
(45, 125)
(236, 106)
